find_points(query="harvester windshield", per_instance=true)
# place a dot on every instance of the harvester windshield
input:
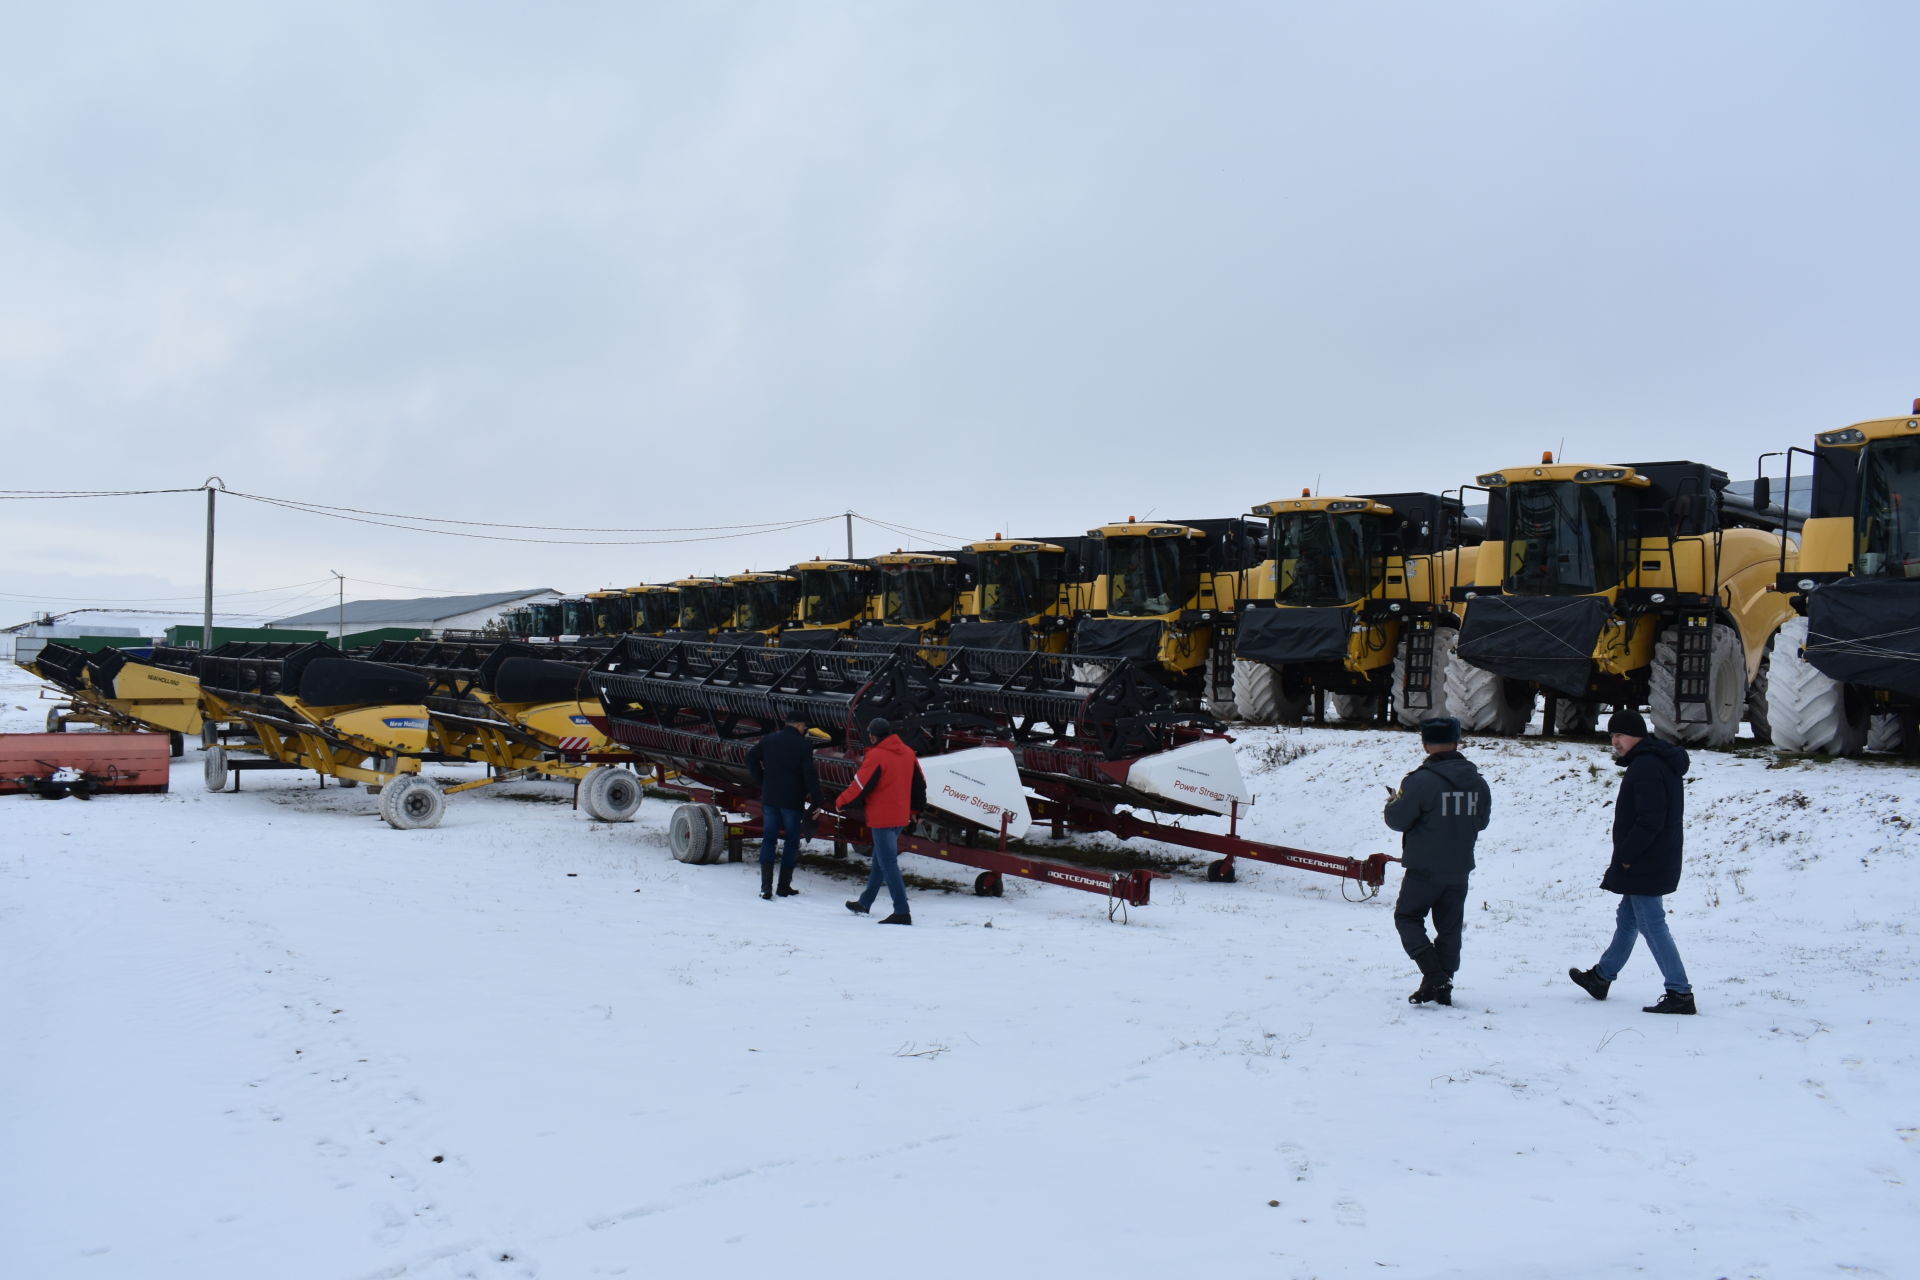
(613, 615)
(576, 617)
(831, 596)
(1563, 538)
(1144, 578)
(1325, 558)
(655, 611)
(706, 607)
(761, 606)
(1016, 585)
(544, 619)
(1889, 529)
(915, 594)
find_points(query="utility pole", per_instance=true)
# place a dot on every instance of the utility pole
(340, 641)
(206, 618)
(849, 535)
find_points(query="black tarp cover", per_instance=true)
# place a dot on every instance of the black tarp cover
(344, 682)
(744, 639)
(1546, 639)
(538, 680)
(1118, 638)
(1277, 636)
(1867, 631)
(888, 635)
(811, 638)
(988, 635)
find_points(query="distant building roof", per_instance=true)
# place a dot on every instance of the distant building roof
(423, 609)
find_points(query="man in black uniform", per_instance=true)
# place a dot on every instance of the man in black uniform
(1440, 809)
(782, 763)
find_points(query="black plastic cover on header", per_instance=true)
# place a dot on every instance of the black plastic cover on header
(1118, 638)
(812, 638)
(1277, 636)
(743, 639)
(343, 682)
(1867, 631)
(1546, 639)
(888, 635)
(524, 680)
(988, 635)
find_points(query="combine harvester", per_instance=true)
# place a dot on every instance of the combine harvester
(302, 706)
(517, 709)
(1645, 584)
(1846, 665)
(1351, 609)
(1026, 593)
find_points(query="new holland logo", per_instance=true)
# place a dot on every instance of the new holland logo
(403, 722)
(579, 719)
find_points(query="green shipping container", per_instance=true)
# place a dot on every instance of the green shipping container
(189, 637)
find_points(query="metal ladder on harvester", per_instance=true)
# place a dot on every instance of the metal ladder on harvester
(1418, 695)
(1693, 670)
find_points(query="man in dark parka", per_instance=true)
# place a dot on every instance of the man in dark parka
(1441, 808)
(1647, 842)
(782, 763)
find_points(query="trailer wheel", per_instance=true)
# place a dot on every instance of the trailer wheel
(690, 834)
(717, 838)
(1726, 690)
(1444, 641)
(1487, 702)
(989, 884)
(176, 745)
(56, 720)
(1807, 709)
(611, 794)
(412, 803)
(215, 765)
(1221, 872)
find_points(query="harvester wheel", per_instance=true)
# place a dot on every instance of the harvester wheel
(1807, 709)
(1255, 689)
(57, 719)
(1757, 698)
(1726, 690)
(690, 834)
(1574, 716)
(1885, 733)
(611, 794)
(215, 764)
(1487, 702)
(412, 803)
(1444, 641)
(1351, 708)
(1219, 708)
(988, 884)
(1221, 872)
(176, 745)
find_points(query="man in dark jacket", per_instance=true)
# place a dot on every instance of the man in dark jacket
(1441, 808)
(1646, 861)
(782, 763)
(890, 787)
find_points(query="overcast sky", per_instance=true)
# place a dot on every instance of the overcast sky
(968, 267)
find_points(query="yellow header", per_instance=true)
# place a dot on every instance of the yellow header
(1859, 433)
(1576, 472)
(1362, 506)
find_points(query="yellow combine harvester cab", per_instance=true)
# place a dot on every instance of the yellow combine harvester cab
(832, 598)
(1350, 611)
(763, 605)
(1648, 584)
(1846, 667)
(543, 620)
(915, 595)
(706, 606)
(1161, 593)
(612, 612)
(653, 610)
(1024, 595)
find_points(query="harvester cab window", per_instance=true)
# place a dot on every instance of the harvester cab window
(614, 616)
(656, 611)
(761, 606)
(832, 597)
(576, 617)
(1326, 559)
(1889, 529)
(1016, 585)
(704, 608)
(916, 594)
(545, 619)
(1563, 539)
(1148, 577)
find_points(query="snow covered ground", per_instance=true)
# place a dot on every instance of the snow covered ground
(263, 1035)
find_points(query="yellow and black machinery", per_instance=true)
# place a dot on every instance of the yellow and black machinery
(1349, 614)
(612, 612)
(1641, 584)
(1164, 595)
(544, 621)
(706, 606)
(1025, 594)
(832, 598)
(302, 706)
(763, 605)
(118, 690)
(654, 610)
(915, 597)
(1846, 666)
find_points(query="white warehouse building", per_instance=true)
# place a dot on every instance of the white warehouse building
(430, 613)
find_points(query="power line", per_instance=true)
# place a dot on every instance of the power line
(224, 595)
(752, 532)
(35, 495)
(318, 507)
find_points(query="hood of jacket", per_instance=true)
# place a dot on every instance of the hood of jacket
(892, 748)
(1674, 758)
(1454, 767)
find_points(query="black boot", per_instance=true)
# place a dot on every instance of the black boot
(766, 881)
(1590, 981)
(1436, 984)
(899, 917)
(1673, 1002)
(856, 908)
(786, 889)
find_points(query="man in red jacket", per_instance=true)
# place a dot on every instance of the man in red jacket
(891, 786)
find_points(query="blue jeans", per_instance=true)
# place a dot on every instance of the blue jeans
(1644, 916)
(791, 821)
(886, 870)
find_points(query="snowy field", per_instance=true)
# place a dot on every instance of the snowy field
(263, 1036)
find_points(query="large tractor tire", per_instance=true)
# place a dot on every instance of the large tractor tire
(1885, 733)
(693, 836)
(1807, 709)
(1486, 702)
(1574, 716)
(1352, 708)
(1726, 690)
(1445, 640)
(611, 794)
(1757, 698)
(413, 803)
(1219, 708)
(215, 764)
(1256, 689)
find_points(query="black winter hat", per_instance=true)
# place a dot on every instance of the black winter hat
(1627, 721)
(878, 728)
(1444, 729)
